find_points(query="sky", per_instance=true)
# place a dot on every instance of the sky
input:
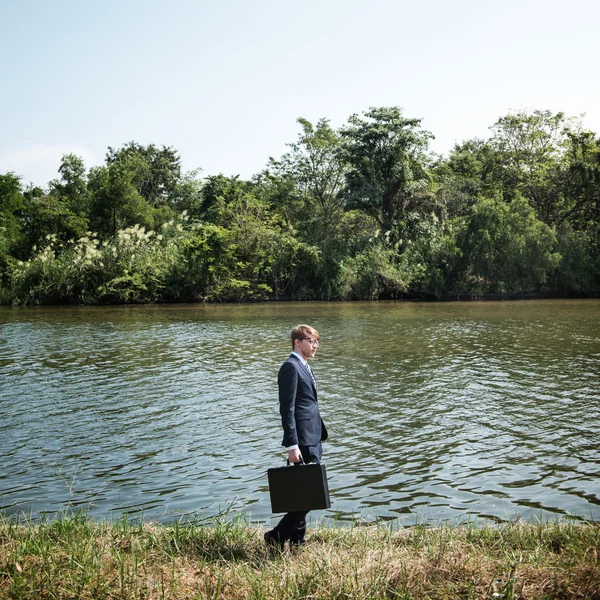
(223, 82)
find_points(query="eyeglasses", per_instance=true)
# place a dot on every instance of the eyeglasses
(312, 342)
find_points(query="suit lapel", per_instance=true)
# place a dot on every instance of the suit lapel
(305, 373)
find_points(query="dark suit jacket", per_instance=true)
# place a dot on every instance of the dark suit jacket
(302, 423)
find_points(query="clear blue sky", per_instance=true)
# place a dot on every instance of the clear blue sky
(224, 81)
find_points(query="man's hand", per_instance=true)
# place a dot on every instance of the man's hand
(294, 455)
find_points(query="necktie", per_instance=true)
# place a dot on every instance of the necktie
(312, 376)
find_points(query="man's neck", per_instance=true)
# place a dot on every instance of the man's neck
(302, 359)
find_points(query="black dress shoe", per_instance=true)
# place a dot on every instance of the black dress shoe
(297, 538)
(272, 540)
(296, 545)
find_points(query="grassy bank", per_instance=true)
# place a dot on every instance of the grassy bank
(80, 558)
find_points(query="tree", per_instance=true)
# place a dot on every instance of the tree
(387, 163)
(315, 165)
(187, 195)
(582, 181)
(11, 203)
(157, 182)
(529, 159)
(506, 248)
(305, 186)
(462, 178)
(219, 191)
(115, 200)
(578, 227)
(72, 187)
(240, 250)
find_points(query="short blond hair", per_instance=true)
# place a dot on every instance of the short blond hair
(301, 331)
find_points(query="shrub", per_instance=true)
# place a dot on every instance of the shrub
(133, 266)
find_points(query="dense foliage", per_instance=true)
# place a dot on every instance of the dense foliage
(363, 212)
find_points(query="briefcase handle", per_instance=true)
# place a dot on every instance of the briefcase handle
(300, 463)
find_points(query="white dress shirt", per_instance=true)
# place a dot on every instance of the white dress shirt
(305, 364)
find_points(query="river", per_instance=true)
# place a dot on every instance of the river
(438, 412)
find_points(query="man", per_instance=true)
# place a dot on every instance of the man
(303, 428)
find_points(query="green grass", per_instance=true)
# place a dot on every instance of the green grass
(75, 557)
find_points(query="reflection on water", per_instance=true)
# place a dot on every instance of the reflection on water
(436, 412)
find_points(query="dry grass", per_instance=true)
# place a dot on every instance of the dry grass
(77, 558)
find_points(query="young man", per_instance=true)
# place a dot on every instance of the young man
(303, 428)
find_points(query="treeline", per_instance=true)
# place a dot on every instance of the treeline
(365, 211)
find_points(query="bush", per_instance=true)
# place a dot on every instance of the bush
(133, 266)
(506, 248)
(371, 274)
(579, 268)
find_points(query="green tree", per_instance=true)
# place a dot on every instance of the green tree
(372, 273)
(116, 202)
(72, 187)
(579, 269)
(386, 153)
(463, 177)
(45, 215)
(315, 165)
(240, 250)
(529, 159)
(506, 248)
(578, 226)
(157, 181)
(305, 186)
(11, 204)
(139, 185)
(219, 191)
(582, 181)
(187, 195)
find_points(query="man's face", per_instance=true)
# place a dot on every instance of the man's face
(307, 347)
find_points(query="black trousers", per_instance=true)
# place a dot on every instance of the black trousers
(292, 526)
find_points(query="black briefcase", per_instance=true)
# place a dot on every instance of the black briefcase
(298, 487)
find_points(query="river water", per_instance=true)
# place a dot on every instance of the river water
(437, 412)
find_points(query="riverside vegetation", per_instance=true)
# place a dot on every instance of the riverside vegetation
(365, 211)
(73, 557)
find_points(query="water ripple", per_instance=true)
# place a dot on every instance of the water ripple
(436, 411)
